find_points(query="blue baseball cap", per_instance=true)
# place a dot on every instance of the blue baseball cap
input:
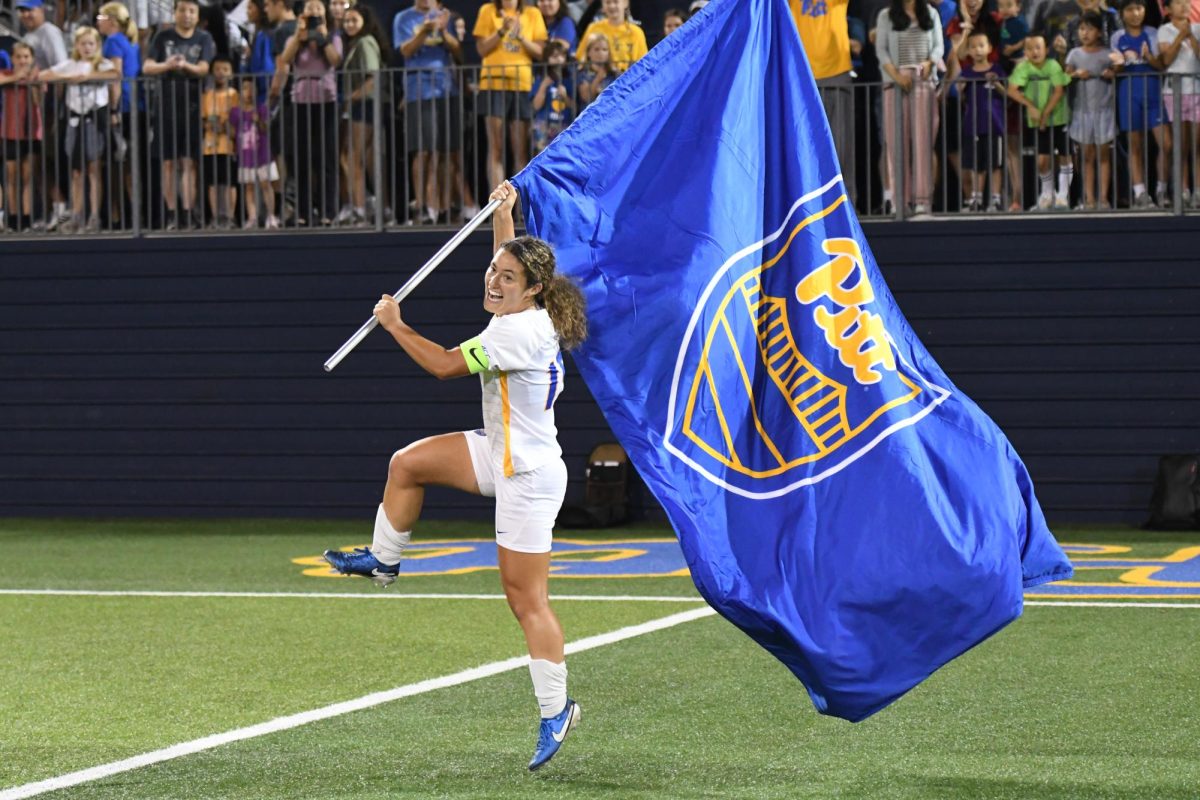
(30, 3)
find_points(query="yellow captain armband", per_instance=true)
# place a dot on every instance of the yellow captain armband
(475, 355)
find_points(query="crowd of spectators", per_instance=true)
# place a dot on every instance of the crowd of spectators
(273, 113)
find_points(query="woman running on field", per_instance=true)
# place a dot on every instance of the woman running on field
(514, 458)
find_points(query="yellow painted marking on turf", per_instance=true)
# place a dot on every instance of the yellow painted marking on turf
(1104, 549)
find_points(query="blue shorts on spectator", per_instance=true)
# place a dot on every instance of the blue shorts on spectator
(432, 125)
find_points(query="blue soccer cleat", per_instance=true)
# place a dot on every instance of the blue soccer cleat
(552, 733)
(363, 562)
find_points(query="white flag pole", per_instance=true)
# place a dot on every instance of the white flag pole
(412, 283)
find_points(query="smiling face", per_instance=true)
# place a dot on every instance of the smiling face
(22, 57)
(548, 8)
(504, 286)
(614, 10)
(353, 22)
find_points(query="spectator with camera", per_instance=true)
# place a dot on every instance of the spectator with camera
(180, 57)
(429, 44)
(313, 56)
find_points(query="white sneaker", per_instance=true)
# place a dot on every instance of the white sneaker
(1045, 202)
(1062, 202)
(272, 222)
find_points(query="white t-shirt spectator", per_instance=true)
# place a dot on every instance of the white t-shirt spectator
(1185, 63)
(83, 98)
(49, 46)
(150, 14)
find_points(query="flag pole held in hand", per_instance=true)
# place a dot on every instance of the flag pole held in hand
(412, 283)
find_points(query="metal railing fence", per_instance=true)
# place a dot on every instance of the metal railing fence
(375, 150)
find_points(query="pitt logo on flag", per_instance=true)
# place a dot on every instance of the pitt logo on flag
(787, 372)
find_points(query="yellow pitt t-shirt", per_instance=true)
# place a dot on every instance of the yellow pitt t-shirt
(508, 67)
(626, 42)
(823, 31)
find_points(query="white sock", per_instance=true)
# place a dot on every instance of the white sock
(388, 544)
(1139, 188)
(1064, 179)
(887, 195)
(1161, 188)
(60, 209)
(1046, 181)
(550, 685)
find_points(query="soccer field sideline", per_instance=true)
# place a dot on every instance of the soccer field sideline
(627, 598)
(378, 698)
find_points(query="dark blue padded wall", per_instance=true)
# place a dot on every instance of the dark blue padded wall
(183, 376)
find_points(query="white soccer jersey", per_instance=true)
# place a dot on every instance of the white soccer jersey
(523, 379)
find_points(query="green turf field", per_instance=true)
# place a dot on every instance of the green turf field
(1069, 702)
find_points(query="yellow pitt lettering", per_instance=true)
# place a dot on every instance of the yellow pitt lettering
(858, 336)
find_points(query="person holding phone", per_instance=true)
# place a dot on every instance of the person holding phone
(313, 56)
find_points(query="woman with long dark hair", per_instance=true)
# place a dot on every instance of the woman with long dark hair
(536, 312)
(367, 51)
(908, 42)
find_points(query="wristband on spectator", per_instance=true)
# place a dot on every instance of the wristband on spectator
(475, 354)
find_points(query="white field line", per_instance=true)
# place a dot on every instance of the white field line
(1132, 602)
(382, 595)
(337, 709)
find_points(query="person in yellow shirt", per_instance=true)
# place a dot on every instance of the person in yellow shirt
(826, 39)
(626, 41)
(509, 37)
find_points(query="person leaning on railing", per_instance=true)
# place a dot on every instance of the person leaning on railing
(87, 102)
(313, 56)
(21, 133)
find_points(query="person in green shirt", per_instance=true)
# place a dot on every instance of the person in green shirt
(1039, 83)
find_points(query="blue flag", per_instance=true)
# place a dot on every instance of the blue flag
(835, 496)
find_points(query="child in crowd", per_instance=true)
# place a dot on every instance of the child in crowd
(673, 20)
(598, 70)
(21, 132)
(1110, 23)
(251, 121)
(1039, 84)
(553, 98)
(215, 105)
(626, 41)
(983, 122)
(1013, 30)
(1179, 49)
(1139, 99)
(1093, 124)
(87, 121)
